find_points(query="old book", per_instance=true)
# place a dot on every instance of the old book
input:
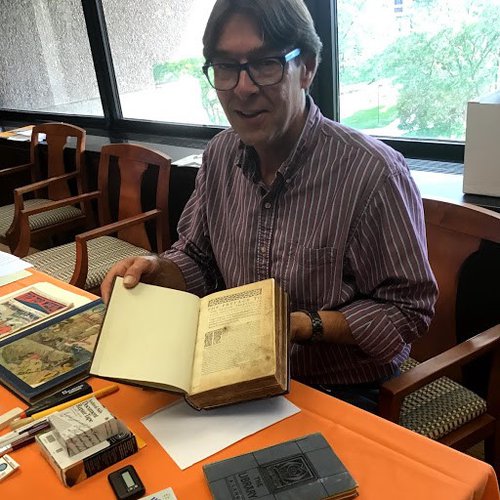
(224, 348)
(306, 467)
(51, 355)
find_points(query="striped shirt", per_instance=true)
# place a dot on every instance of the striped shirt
(341, 228)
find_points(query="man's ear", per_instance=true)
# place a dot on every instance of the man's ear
(309, 67)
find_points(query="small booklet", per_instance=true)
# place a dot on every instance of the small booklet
(227, 347)
(27, 307)
(306, 467)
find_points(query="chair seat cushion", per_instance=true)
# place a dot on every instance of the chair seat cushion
(439, 407)
(104, 252)
(37, 221)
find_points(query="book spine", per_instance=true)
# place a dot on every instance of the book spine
(120, 447)
(118, 450)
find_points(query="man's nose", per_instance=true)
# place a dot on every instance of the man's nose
(245, 85)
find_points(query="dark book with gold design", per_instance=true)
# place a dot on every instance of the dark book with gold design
(306, 467)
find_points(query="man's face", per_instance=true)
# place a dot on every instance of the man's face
(264, 117)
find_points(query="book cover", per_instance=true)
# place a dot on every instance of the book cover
(27, 307)
(51, 355)
(306, 467)
(84, 425)
(227, 347)
(74, 469)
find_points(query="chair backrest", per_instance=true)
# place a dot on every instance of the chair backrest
(56, 138)
(128, 174)
(454, 233)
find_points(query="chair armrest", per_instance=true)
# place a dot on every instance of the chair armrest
(20, 231)
(41, 184)
(395, 390)
(82, 257)
(117, 226)
(14, 170)
(60, 203)
(28, 188)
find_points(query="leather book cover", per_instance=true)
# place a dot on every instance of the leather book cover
(306, 467)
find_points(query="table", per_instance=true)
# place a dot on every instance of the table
(388, 461)
(449, 187)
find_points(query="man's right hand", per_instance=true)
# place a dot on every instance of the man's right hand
(133, 270)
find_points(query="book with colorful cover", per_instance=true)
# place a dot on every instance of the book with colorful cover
(51, 355)
(27, 307)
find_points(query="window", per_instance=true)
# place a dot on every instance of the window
(45, 61)
(157, 56)
(408, 69)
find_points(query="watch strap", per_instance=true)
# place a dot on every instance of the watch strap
(317, 327)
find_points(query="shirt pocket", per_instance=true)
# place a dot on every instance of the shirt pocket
(314, 278)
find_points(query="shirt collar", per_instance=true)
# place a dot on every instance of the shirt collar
(248, 158)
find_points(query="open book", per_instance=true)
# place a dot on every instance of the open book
(224, 348)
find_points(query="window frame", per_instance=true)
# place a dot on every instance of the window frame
(325, 91)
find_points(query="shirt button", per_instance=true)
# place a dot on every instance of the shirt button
(262, 249)
(267, 205)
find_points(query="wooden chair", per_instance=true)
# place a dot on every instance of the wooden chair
(21, 222)
(125, 211)
(429, 396)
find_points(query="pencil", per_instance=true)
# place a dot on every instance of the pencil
(96, 394)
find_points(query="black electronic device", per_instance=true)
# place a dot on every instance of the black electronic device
(67, 394)
(126, 483)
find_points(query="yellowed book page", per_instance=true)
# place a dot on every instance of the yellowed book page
(235, 337)
(148, 335)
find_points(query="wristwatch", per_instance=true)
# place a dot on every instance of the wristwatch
(317, 327)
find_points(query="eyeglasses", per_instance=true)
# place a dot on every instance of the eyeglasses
(262, 72)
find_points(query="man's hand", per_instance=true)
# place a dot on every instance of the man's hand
(133, 270)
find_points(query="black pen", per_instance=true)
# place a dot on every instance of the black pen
(18, 443)
(60, 397)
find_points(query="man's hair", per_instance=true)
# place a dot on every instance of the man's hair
(283, 24)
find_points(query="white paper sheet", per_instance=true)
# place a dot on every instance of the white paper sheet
(189, 436)
(10, 278)
(10, 264)
(190, 161)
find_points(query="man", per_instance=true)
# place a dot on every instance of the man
(332, 214)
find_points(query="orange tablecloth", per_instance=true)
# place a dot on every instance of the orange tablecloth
(388, 461)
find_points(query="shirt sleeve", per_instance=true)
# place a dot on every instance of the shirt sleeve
(388, 262)
(192, 252)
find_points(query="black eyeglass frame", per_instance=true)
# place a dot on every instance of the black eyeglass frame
(283, 60)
